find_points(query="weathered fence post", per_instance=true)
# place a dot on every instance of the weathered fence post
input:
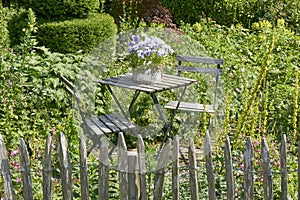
(267, 172)
(103, 180)
(193, 171)
(25, 170)
(175, 168)
(160, 170)
(133, 176)
(248, 171)
(47, 170)
(229, 170)
(123, 167)
(84, 183)
(283, 154)
(4, 166)
(65, 167)
(209, 168)
(142, 167)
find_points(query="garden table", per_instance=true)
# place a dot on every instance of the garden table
(167, 82)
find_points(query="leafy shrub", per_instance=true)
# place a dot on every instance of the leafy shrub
(245, 52)
(16, 25)
(134, 12)
(60, 10)
(228, 12)
(5, 15)
(78, 34)
(34, 103)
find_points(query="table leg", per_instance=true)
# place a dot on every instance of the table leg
(136, 94)
(173, 116)
(159, 108)
(116, 100)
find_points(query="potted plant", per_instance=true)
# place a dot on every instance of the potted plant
(147, 55)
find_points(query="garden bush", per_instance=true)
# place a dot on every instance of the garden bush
(228, 12)
(5, 15)
(34, 103)
(259, 83)
(60, 10)
(78, 34)
(15, 25)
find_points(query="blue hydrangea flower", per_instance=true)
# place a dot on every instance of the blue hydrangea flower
(147, 50)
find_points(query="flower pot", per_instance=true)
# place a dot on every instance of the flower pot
(147, 75)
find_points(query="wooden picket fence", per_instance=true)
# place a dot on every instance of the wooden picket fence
(132, 170)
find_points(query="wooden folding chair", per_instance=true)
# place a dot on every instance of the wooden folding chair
(201, 68)
(98, 126)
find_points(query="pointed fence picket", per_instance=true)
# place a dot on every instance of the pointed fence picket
(47, 172)
(4, 166)
(229, 170)
(25, 170)
(249, 171)
(132, 170)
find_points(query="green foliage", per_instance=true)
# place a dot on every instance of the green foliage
(74, 35)
(244, 52)
(33, 101)
(5, 15)
(16, 25)
(61, 10)
(228, 12)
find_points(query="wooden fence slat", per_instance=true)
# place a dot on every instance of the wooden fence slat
(84, 183)
(283, 156)
(4, 166)
(175, 169)
(160, 170)
(25, 170)
(209, 168)
(123, 167)
(142, 167)
(47, 171)
(65, 167)
(229, 170)
(267, 172)
(103, 180)
(193, 171)
(133, 176)
(249, 171)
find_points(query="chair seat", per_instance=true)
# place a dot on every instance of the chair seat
(192, 107)
(108, 124)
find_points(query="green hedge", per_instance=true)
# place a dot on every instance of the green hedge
(5, 16)
(79, 34)
(60, 10)
(228, 12)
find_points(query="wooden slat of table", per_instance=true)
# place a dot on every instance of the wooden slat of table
(127, 80)
(167, 82)
(122, 85)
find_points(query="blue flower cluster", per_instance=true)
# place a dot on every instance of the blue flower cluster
(146, 46)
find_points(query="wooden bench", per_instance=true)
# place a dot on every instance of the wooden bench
(197, 107)
(97, 126)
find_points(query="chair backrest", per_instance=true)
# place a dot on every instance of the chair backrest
(71, 90)
(200, 69)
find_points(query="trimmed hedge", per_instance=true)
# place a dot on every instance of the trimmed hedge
(78, 34)
(60, 10)
(5, 16)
